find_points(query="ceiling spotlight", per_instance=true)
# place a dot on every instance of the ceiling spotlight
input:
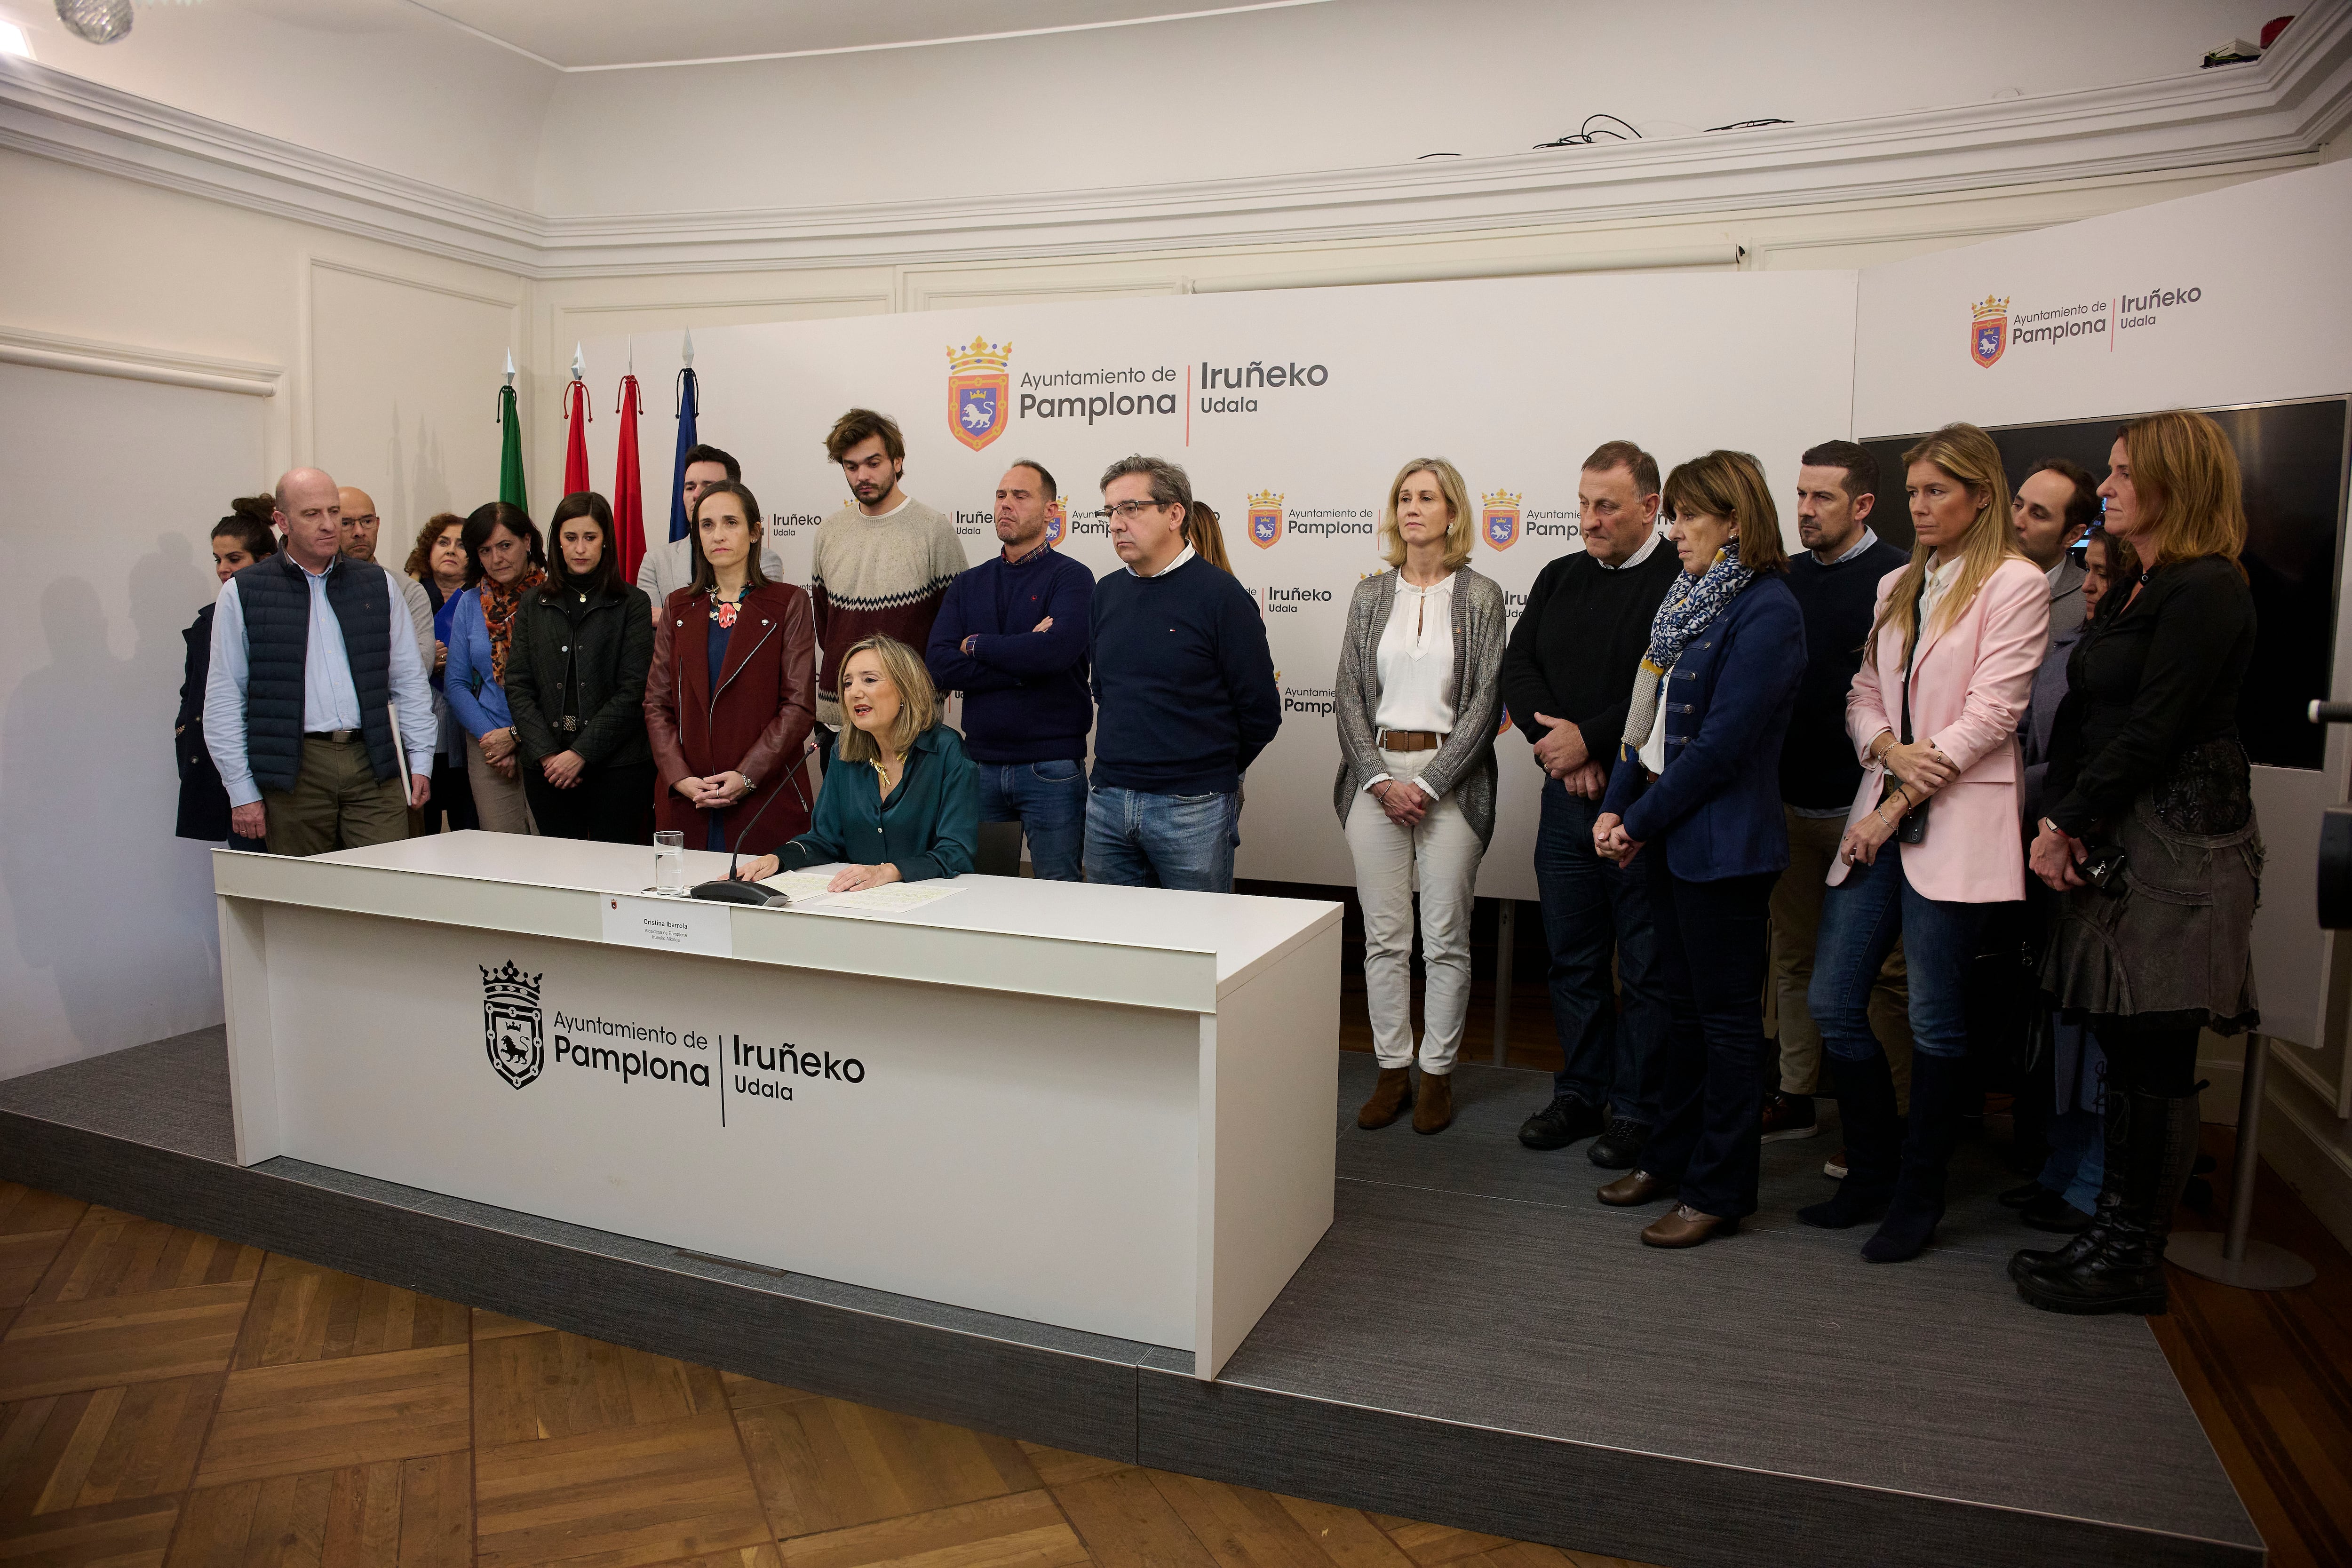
(96, 21)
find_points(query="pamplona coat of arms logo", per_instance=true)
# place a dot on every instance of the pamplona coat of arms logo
(979, 398)
(1988, 333)
(512, 1032)
(1265, 519)
(1498, 520)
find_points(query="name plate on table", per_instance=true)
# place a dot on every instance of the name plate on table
(674, 925)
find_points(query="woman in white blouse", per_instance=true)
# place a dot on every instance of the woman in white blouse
(1420, 698)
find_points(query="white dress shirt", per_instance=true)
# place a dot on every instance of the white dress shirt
(1181, 556)
(1938, 579)
(330, 701)
(1649, 548)
(1415, 660)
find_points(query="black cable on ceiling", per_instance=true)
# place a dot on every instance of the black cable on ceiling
(1747, 125)
(1584, 135)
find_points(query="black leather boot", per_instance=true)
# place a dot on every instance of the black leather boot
(1939, 1085)
(1873, 1141)
(2116, 1137)
(2125, 1273)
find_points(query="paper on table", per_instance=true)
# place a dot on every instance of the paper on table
(803, 885)
(894, 899)
(808, 892)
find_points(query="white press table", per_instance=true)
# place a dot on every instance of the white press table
(1109, 1109)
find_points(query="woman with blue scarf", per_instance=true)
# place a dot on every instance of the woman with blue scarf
(1695, 795)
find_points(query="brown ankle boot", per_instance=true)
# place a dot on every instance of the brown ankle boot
(1391, 1097)
(1434, 1111)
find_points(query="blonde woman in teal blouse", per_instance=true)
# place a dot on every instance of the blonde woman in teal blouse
(901, 801)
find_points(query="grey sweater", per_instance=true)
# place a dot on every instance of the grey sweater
(1465, 763)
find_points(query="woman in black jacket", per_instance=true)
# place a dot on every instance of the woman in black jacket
(239, 540)
(2150, 839)
(576, 685)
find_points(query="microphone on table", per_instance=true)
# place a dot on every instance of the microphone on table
(726, 889)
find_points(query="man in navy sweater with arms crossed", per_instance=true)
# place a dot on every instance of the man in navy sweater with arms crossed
(1184, 684)
(1011, 636)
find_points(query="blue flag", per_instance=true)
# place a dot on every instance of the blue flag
(690, 397)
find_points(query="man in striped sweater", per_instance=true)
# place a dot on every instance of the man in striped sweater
(882, 562)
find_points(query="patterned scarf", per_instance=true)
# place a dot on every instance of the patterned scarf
(1690, 605)
(499, 608)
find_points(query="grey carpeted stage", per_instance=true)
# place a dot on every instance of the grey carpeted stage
(1475, 1341)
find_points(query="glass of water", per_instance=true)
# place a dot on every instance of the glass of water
(669, 862)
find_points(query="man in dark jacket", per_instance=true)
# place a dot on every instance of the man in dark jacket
(310, 655)
(1567, 680)
(1011, 636)
(1835, 579)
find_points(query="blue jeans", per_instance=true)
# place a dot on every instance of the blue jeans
(1860, 919)
(1138, 840)
(1049, 801)
(1590, 907)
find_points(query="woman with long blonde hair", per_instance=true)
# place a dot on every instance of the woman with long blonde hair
(2151, 841)
(1954, 645)
(901, 802)
(1420, 698)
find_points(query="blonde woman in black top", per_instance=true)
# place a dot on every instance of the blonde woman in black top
(2151, 839)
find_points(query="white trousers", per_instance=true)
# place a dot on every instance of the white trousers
(1445, 851)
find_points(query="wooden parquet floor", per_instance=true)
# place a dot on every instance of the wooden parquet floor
(171, 1401)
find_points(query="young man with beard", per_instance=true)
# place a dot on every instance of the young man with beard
(882, 562)
(1835, 579)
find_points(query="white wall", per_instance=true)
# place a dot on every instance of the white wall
(387, 86)
(381, 363)
(105, 935)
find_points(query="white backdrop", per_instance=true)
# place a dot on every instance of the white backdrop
(1514, 380)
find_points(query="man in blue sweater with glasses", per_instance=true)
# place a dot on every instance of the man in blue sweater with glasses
(1011, 636)
(1185, 694)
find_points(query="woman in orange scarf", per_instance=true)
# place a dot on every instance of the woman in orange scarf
(504, 561)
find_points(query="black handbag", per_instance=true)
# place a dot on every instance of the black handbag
(1913, 828)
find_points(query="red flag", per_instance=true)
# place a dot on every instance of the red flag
(628, 490)
(575, 449)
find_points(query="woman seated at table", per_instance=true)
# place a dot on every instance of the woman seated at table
(911, 811)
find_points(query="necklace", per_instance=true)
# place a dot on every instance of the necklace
(724, 611)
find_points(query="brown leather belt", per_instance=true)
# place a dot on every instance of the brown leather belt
(340, 737)
(1410, 741)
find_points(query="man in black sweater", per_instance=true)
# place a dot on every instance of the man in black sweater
(1835, 579)
(1568, 682)
(1184, 692)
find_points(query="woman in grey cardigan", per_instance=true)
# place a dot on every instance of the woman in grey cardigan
(1420, 696)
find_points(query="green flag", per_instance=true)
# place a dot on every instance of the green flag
(511, 452)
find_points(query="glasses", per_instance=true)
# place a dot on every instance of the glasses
(1125, 511)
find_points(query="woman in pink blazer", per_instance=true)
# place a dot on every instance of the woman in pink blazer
(1948, 667)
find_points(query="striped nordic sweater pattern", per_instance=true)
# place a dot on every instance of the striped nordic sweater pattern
(878, 576)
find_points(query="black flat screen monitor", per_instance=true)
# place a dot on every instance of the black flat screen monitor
(2293, 455)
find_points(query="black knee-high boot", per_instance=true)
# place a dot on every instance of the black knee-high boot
(1938, 1086)
(2125, 1271)
(2114, 1126)
(1874, 1140)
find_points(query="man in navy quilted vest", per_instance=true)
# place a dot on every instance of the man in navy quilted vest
(314, 669)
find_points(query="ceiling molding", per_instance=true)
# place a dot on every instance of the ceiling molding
(2276, 113)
